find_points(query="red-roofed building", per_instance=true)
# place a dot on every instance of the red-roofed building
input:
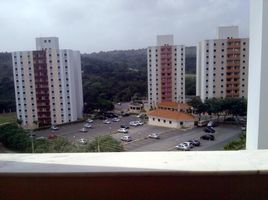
(170, 119)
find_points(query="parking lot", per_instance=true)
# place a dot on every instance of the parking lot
(169, 138)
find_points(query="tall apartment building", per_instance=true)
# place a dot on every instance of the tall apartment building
(48, 84)
(166, 72)
(222, 65)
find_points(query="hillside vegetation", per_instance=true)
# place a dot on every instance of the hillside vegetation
(107, 77)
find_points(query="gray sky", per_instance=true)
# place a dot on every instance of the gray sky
(101, 25)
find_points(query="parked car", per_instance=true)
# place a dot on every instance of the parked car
(136, 123)
(89, 120)
(125, 114)
(83, 130)
(207, 137)
(126, 138)
(51, 136)
(110, 115)
(54, 128)
(183, 147)
(87, 125)
(82, 141)
(122, 130)
(195, 142)
(212, 124)
(124, 126)
(209, 130)
(202, 123)
(133, 123)
(140, 123)
(188, 144)
(106, 121)
(115, 119)
(154, 136)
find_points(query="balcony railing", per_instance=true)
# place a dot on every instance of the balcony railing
(161, 175)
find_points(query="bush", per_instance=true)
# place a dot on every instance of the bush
(238, 144)
(104, 144)
(15, 138)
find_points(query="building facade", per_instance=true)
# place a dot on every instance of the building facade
(222, 65)
(48, 84)
(170, 119)
(166, 72)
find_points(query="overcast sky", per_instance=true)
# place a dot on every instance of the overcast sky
(102, 25)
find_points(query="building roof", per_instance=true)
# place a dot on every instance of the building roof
(175, 105)
(168, 114)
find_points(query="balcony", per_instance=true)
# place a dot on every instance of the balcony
(162, 175)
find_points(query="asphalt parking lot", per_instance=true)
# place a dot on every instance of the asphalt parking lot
(71, 131)
(169, 138)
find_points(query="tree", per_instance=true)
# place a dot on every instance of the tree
(190, 85)
(104, 144)
(214, 106)
(15, 138)
(19, 122)
(198, 106)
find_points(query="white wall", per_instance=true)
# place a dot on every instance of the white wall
(174, 123)
(257, 126)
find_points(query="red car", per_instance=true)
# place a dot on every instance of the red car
(52, 136)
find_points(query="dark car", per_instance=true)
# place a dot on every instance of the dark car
(110, 115)
(195, 142)
(124, 126)
(209, 130)
(125, 114)
(207, 137)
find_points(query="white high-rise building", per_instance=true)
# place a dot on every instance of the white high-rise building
(48, 84)
(222, 65)
(166, 72)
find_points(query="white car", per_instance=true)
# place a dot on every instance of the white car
(54, 128)
(87, 125)
(134, 123)
(116, 119)
(126, 138)
(82, 141)
(188, 144)
(83, 130)
(122, 130)
(154, 136)
(89, 120)
(183, 147)
(106, 121)
(140, 123)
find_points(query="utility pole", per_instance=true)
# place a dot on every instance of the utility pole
(32, 141)
(98, 144)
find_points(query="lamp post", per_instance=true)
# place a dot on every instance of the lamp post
(32, 136)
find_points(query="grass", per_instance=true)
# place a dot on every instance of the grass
(237, 144)
(8, 117)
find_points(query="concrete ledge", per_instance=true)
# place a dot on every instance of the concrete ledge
(157, 175)
(214, 162)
